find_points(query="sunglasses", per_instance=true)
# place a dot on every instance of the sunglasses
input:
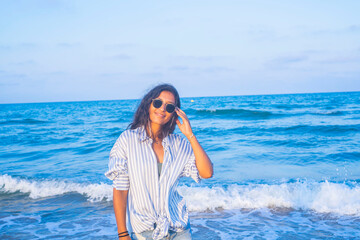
(169, 107)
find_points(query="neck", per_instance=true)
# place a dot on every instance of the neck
(155, 130)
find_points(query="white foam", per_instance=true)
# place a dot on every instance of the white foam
(47, 188)
(323, 197)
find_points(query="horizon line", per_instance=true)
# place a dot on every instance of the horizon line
(265, 94)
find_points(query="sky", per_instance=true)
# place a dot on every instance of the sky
(65, 50)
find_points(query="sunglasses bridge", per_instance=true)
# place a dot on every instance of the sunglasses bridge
(169, 107)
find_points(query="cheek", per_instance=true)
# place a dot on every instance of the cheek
(151, 110)
(170, 118)
(151, 113)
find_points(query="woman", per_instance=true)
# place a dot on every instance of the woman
(146, 163)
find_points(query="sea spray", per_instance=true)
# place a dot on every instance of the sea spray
(322, 197)
(48, 188)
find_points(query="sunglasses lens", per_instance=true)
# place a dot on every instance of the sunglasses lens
(170, 108)
(157, 103)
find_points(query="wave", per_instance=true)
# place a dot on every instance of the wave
(48, 188)
(311, 130)
(23, 121)
(321, 129)
(261, 114)
(238, 113)
(329, 113)
(322, 197)
(299, 129)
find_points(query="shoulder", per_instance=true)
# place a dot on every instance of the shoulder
(127, 135)
(129, 132)
(177, 140)
(174, 137)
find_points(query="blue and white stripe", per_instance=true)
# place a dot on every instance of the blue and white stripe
(152, 200)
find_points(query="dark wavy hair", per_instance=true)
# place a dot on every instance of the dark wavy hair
(142, 118)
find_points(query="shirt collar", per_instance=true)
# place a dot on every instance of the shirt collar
(144, 137)
(142, 134)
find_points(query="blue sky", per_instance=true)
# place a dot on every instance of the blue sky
(55, 50)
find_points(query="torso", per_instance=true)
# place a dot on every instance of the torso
(134, 146)
(159, 151)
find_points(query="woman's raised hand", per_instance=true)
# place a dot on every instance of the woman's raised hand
(185, 126)
(203, 163)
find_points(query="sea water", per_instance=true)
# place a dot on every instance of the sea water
(285, 167)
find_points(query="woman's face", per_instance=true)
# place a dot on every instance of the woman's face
(160, 115)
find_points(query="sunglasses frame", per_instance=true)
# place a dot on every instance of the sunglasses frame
(162, 103)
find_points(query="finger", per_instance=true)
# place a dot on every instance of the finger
(178, 122)
(178, 110)
(181, 111)
(182, 115)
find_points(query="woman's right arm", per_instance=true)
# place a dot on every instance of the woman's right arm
(120, 202)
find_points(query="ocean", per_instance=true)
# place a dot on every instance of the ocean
(285, 167)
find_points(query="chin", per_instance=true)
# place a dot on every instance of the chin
(159, 120)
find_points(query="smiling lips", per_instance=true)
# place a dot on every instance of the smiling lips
(160, 115)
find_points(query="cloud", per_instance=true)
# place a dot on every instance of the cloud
(197, 58)
(285, 62)
(354, 28)
(172, 21)
(179, 68)
(68, 45)
(5, 47)
(12, 83)
(120, 57)
(24, 45)
(53, 4)
(10, 79)
(156, 75)
(40, 5)
(197, 70)
(111, 75)
(56, 73)
(24, 63)
(5, 74)
(217, 69)
(340, 59)
(262, 33)
(118, 46)
(313, 52)
(28, 45)
(289, 59)
(351, 29)
(19, 46)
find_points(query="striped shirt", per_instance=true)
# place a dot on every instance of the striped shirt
(152, 200)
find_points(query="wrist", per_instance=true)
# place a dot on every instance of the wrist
(120, 230)
(191, 136)
(123, 234)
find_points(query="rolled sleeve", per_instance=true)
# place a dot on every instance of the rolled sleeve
(121, 182)
(118, 168)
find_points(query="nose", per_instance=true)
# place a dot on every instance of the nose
(163, 107)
